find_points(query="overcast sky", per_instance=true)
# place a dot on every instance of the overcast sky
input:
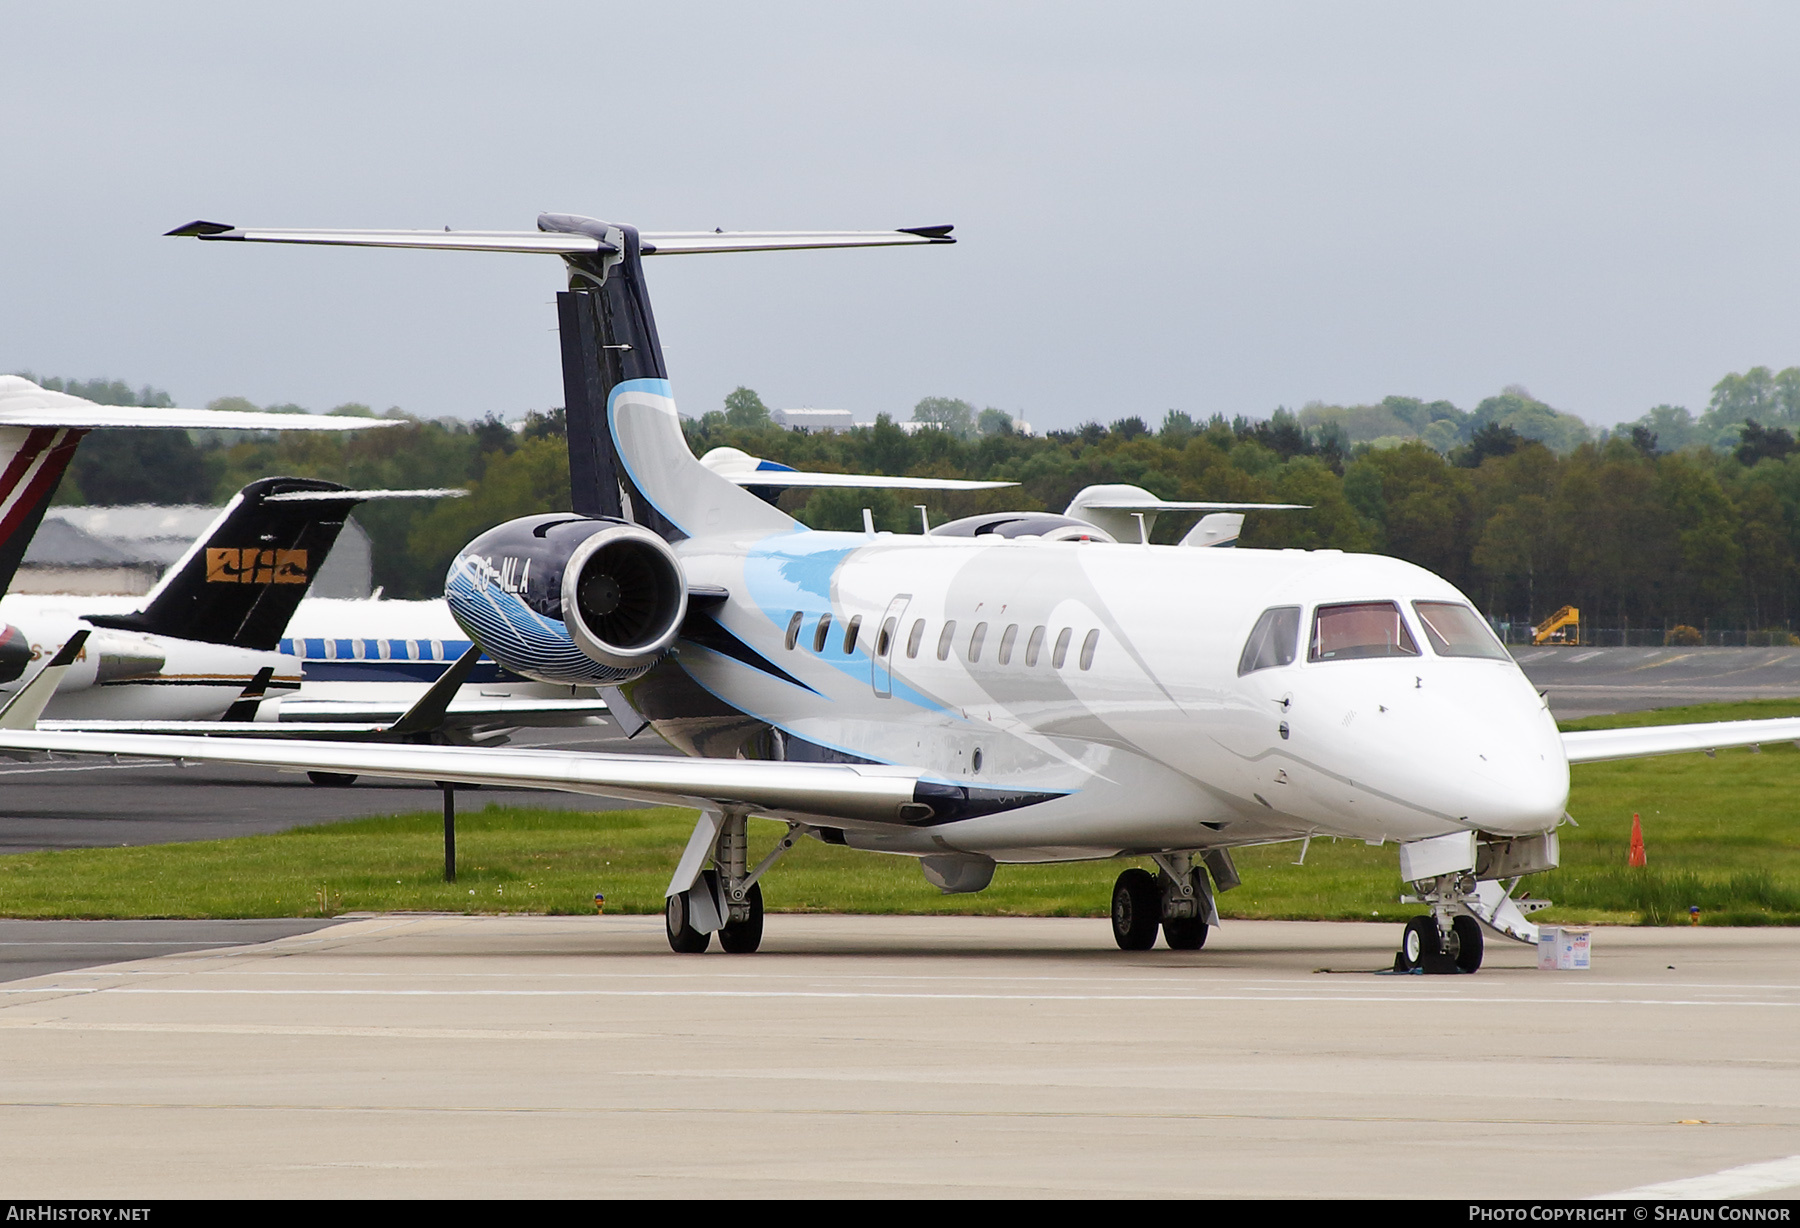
(1211, 208)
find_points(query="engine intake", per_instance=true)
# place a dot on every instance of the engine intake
(623, 596)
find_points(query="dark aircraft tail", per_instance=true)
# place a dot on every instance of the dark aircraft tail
(241, 582)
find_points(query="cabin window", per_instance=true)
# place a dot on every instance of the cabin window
(975, 640)
(1006, 643)
(1273, 641)
(820, 634)
(793, 631)
(850, 633)
(1034, 645)
(1061, 653)
(1356, 630)
(1087, 648)
(884, 643)
(949, 634)
(1454, 630)
(913, 640)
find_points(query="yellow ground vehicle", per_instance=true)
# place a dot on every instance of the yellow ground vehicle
(1562, 627)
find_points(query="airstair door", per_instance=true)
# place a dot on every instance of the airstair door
(887, 635)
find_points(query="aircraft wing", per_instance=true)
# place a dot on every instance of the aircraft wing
(808, 792)
(1597, 745)
(354, 719)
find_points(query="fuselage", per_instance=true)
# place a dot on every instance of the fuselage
(1087, 698)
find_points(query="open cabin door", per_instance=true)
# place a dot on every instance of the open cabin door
(887, 635)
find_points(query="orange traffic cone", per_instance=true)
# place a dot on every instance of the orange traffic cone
(1637, 843)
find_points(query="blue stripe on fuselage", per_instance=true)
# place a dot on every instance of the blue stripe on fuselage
(793, 571)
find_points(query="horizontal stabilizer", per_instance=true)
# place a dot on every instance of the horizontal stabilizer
(23, 403)
(668, 243)
(857, 481)
(1115, 508)
(364, 496)
(745, 470)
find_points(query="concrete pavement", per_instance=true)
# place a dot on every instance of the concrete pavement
(935, 1056)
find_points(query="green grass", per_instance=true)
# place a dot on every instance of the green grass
(1722, 833)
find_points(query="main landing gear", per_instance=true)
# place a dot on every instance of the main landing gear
(725, 899)
(1177, 900)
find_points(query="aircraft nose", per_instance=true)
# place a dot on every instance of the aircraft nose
(1505, 761)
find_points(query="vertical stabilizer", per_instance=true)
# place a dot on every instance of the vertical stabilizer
(242, 581)
(627, 454)
(32, 461)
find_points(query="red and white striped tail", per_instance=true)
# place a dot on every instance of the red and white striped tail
(32, 460)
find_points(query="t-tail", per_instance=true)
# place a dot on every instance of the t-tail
(628, 458)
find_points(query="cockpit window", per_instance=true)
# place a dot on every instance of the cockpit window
(1360, 629)
(1454, 630)
(1272, 641)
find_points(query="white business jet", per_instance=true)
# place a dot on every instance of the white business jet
(1007, 688)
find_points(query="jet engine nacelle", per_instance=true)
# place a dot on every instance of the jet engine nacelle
(569, 599)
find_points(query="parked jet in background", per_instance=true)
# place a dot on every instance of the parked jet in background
(211, 629)
(1009, 688)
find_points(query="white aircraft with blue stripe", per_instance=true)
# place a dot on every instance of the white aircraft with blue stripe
(1008, 688)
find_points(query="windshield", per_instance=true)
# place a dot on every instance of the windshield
(1454, 630)
(1272, 641)
(1360, 629)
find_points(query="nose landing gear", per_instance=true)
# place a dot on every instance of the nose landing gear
(1447, 940)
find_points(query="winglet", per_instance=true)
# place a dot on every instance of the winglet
(427, 714)
(937, 234)
(23, 709)
(199, 230)
(245, 706)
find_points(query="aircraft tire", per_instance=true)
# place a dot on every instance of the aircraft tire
(1469, 943)
(684, 939)
(743, 937)
(1186, 934)
(332, 778)
(1418, 945)
(1136, 910)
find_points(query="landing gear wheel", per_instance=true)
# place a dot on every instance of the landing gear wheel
(684, 939)
(332, 778)
(1187, 934)
(1468, 942)
(1136, 910)
(1418, 945)
(743, 937)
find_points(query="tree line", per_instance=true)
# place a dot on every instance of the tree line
(1675, 519)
